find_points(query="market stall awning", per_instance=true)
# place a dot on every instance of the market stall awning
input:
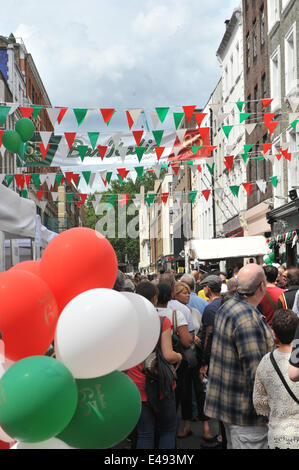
(17, 215)
(223, 248)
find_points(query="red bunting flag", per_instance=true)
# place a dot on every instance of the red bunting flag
(199, 118)
(228, 162)
(123, 173)
(83, 197)
(266, 148)
(248, 187)
(286, 154)
(204, 132)
(26, 112)
(159, 152)
(267, 102)
(43, 149)
(164, 197)
(61, 114)
(271, 126)
(268, 117)
(102, 150)
(70, 137)
(124, 199)
(278, 156)
(199, 168)
(69, 176)
(20, 180)
(107, 114)
(175, 168)
(138, 136)
(1, 134)
(130, 120)
(206, 193)
(104, 181)
(75, 178)
(27, 179)
(39, 194)
(188, 110)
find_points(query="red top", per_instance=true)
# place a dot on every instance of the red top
(268, 308)
(136, 374)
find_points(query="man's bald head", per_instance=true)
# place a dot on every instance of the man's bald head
(250, 278)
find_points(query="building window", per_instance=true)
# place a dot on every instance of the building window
(255, 104)
(237, 59)
(248, 51)
(290, 59)
(262, 26)
(254, 29)
(275, 74)
(264, 86)
(273, 13)
(231, 71)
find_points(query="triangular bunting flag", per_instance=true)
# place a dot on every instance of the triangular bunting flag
(123, 199)
(248, 187)
(69, 197)
(181, 134)
(164, 198)
(162, 113)
(175, 168)
(240, 105)
(20, 180)
(235, 190)
(158, 137)
(278, 156)
(116, 136)
(76, 179)
(24, 193)
(45, 137)
(83, 198)
(86, 176)
(58, 179)
(268, 117)
(177, 117)
(53, 114)
(27, 180)
(266, 148)
(137, 136)
(51, 178)
(35, 179)
(107, 114)
(70, 137)
(228, 162)
(247, 148)
(294, 124)
(199, 118)
(102, 150)
(36, 110)
(82, 149)
(192, 196)
(188, 110)
(135, 113)
(219, 192)
(244, 116)
(108, 176)
(139, 171)
(227, 130)
(26, 111)
(250, 128)
(198, 168)
(206, 193)
(157, 170)
(93, 137)
(271, 126)
(195, 148)
(69, 176)
(261, 184)
(294, 102)
(244, 157)
(43, 150)
(54, 195)
(155, 119)
(122, 152)
(123, 172)
(139, 152)
(80, 115)
(1, 134)
(43, 205)
(274, 180)
(61, 114)
(9, 179)
(211, 168)
(130, 120)
(150, 199)
(204, 132)
(4, 110)
(267, 102)
(39, 194)
(159, 152)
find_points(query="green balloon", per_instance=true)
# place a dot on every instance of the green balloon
(108, 410)
(25, 128)
(12, 141)
(38, 398)
(268, 261)
(272, 256)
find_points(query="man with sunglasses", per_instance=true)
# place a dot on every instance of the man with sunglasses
(241, 338)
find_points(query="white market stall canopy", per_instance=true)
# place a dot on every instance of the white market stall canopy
(17, 215)
(223, 248)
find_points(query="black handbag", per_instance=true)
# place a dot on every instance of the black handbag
(189, 355)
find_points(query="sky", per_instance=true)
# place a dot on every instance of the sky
(122, 53)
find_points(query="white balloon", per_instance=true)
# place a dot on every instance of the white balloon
(4, 366)
(5, 437)
(96, 332)
(52, 443)
(148, 329)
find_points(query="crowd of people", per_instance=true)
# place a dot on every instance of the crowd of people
(237, 362)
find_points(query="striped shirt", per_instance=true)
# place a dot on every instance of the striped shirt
(241, 337)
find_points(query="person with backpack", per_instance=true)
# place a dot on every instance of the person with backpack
(274, 395)
(156, 430)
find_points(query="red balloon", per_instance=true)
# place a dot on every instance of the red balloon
(28, 314)
(29, 266)
(78, 260)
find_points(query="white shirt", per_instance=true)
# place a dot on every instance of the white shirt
(167, 312)
(178, 306)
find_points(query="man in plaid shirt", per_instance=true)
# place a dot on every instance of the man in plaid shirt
(241, 337)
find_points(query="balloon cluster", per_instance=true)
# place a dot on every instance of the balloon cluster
(14, 140)
(81, 398)
(269, 259)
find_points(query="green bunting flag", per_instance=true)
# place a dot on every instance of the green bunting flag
(244, 116)
(195, 148)
(58, 179)
(108, 176)
(240, 105)
(93, 137)
(227, 130)
(112, 198)
(294, 124)
(211, 168)
(24, 193)
(4, 110)
(177, 119)
(274, 180)
(69, 197)
(36, 110)
(247, 148)
(150, 199)
(235, 190)
(86, 176)
(80, 115)
(158, 137)
(244, 157)
(120, 179)
(82, 149)
(162, 113)
(35, 179)
(192, 196)
(9, 179)
(139, 171)
(140, 151)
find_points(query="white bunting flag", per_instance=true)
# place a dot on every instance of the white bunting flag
(135, 113)
(181, 134)
(54, 196)
(53, 114)
(155, 119)
(250, 128)
(219, 192)
(261, 184)
(51, 177)
(45, 136)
